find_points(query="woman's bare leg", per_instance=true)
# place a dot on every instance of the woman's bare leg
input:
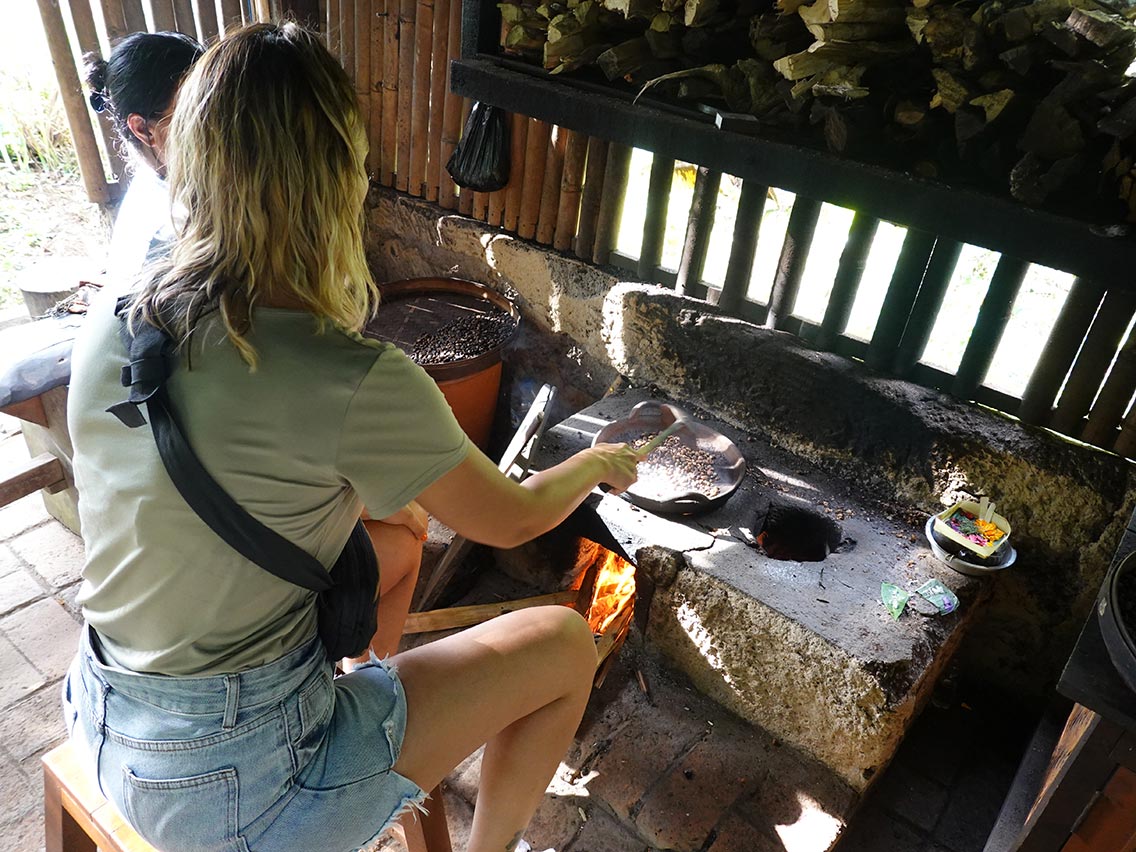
(518, 683)
(399, 552)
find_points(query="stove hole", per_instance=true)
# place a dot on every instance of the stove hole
(794, 533)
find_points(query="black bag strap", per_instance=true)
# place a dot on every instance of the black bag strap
(151, 353)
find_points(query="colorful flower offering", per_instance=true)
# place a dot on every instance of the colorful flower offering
(973, 528)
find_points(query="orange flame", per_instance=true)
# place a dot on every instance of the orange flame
(615, 586)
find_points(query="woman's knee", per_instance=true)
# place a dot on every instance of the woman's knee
(571, 636)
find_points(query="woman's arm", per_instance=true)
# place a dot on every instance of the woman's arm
(479, 502)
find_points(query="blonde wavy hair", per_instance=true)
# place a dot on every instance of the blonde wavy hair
(266, 159)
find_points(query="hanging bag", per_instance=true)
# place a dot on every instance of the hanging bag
(346, 597)
(481, 159)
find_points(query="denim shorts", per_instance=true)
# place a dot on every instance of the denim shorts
(281, 757)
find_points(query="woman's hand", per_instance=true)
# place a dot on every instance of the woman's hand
(413, 517)
(620, 462)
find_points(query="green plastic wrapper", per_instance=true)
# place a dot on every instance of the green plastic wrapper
(894, 598)
(942, 598)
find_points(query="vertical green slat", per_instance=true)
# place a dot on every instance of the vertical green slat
(932, 290)
(1065, 339)
(655, 222)
(848, 274)
(791, 264)
(991, 323)
(699, 224)
(611, 204)
(1108, 410)
(747, 226)
(905, 280)
(1093, 360)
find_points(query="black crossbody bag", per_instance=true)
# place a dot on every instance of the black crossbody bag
(346, 597)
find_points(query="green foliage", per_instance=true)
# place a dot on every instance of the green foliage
(33, 127)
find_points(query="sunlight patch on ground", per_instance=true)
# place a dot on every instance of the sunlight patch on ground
(814, 829)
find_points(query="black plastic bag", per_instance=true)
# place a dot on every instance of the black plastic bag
(481, 160)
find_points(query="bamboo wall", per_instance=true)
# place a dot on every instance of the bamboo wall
(399, 52)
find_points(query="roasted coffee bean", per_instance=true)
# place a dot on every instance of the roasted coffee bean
(674, 469)
(462, 338)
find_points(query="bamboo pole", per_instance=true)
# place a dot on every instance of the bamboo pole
(699, 224)
(262, 10)
(467, 616)
(163, 14)
(480, 206)
(390, 94)
(743, 248)
(88, 38)
(74, 104)
(362, 70)
(496, 207)
(135, 17)
(334, 32)
(114, 18)
(232, 17)
(451, 113)
(184, 18)
(375, 89)
(536, 142)
(655, 221)
(1108, 410)
(611, 205)
(439, 71)
(347, 35)
(593, 194)
(571, 183)
(406, 20)
(420, 107)
(850, 271)
(1065, 338)
(466, 199)
(791, 264)
(550, 190)
(206, 13)
(518, 134)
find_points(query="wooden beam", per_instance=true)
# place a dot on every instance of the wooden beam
(29, 476)
(655, 222)
(925, 310)
(467, 616)
(739, 268)
(900, 298)
(791, 265)
(699, 224)
(30, 410)
(993, 317)
(848, 274)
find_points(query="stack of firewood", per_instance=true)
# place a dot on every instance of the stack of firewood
(1032, 98)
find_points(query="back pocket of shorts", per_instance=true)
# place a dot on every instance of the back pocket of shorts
(195, 814)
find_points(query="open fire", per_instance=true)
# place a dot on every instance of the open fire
(614, 592)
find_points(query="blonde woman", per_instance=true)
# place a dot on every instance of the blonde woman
(201, 693)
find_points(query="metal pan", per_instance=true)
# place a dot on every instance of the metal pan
(650, 417)
(1117, 635)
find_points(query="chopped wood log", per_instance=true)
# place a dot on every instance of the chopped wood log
(1121, 122)
(467, 616)
(917, 20)
(634, 9)
(1052, 133)
(908, 113)
(821, 56)
(842, 82)
(950, 92)
(522, 37)
(1022, 23)
(1100, 28)
(994, 103)
(695, 13)
(948, 32)
(664, 45)
(1062, 37)
(772, 37)
(866, 12)
(623, 59)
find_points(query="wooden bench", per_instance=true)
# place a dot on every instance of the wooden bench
(78, 819)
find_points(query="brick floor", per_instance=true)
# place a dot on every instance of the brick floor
(639, 767)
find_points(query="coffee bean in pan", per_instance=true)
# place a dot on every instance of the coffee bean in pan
(464, 337)
(675, 468)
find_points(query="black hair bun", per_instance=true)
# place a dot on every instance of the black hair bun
(98, 101)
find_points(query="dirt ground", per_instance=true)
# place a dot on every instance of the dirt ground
(45, 215)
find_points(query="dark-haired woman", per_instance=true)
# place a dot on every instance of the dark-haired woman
(137, 87)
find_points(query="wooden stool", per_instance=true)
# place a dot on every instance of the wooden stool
(78, 819)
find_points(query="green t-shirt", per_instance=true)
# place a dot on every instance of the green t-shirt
(327, 423)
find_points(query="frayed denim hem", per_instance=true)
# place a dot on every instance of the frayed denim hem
(409, 803)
